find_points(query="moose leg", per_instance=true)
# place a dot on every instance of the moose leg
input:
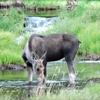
(44, 80)
(30, 78)
(45, 63)
(71, 70)
(72, 75)
(29, 68)
(30, 74)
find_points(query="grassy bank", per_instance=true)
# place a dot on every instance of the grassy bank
(11, 21)
(9, 48)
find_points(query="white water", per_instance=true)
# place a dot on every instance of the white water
(36, 25)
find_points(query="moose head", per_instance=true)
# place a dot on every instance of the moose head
(38, 67)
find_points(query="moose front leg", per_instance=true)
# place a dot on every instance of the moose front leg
(29, 67)
(30, 74)
(45, 64)
(30, 78)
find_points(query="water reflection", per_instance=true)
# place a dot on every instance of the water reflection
(57, 74)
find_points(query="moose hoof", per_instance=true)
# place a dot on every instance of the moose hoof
(30, 83)
(71, 86)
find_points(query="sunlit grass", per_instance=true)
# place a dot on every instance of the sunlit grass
(85, 94)
(11, 20)
(43, 3)
(10, 50)
(91, 38)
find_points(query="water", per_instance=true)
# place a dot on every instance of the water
(57, 77)
(38, 24)
(15, 83)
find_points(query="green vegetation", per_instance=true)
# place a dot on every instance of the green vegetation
(42, 3)
(91, 92)
(11, 21)
(10, 50)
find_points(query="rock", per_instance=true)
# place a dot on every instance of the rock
(12, 67)
(71, 4)
(94, 57)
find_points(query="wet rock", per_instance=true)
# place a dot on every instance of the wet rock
(94, 57)
(17, 3)
(93, 80)
(89, 57)
(12, 67)
(8, 4)
(71, 4)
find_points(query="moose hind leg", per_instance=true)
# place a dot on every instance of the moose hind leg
(71, 70)
(72, 75)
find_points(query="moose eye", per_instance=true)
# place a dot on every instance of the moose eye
(40, 66)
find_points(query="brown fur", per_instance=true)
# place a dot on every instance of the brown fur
(56, 46)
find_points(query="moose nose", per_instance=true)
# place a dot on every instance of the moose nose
(38, 69)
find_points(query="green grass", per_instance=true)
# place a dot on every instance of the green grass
(43, 3)
(10, 50)
(90, 92)
(12, 21)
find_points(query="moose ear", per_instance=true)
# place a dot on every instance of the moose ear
(44, 56)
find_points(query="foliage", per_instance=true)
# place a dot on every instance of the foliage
(12, 21)
(10, 50)
(43, 2)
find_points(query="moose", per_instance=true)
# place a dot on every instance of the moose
(41, 49)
